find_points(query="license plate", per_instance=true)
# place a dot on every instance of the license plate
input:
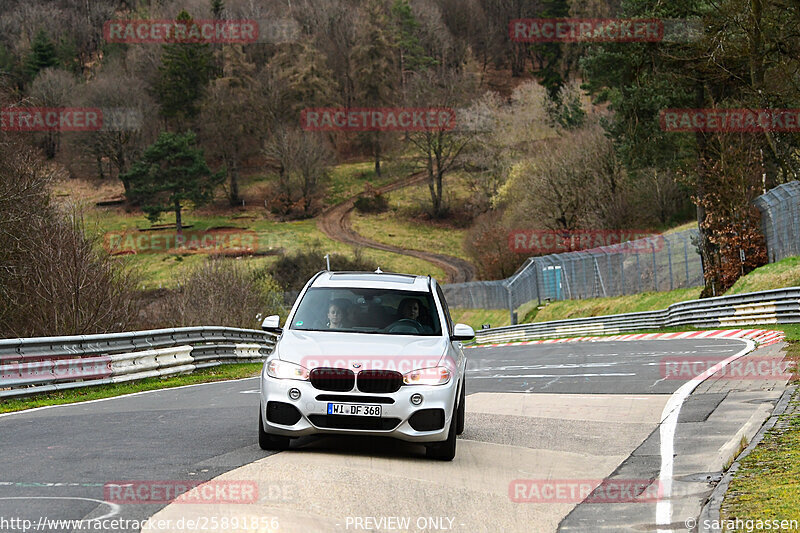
(354, 409)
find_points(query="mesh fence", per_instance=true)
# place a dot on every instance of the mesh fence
(656, 263)
(780, 220)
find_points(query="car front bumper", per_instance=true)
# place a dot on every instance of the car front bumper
(311, 408)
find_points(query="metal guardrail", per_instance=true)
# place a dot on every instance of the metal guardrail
(779, 306)
(46, 364)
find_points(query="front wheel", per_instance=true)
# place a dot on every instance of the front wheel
(267, 441)
(445, 450)
(462, 408)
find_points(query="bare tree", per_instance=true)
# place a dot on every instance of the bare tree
(52, 88)
(54, 280)
(129, 123)
(302, 160)
(439, 151)
(233, 95)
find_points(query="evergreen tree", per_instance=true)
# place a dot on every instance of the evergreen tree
(184, 73)
(549, 55)
(171, 172)
(308, 82)
(43, 54)
(217, 7)
(375, 70)
(412, 56)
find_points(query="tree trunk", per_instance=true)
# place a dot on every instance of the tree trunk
(100, 172)
(377, 151)
(234, 184)
(178, 224)
(431, 185)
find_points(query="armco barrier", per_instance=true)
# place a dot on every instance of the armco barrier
(46, 364)
(779, 306)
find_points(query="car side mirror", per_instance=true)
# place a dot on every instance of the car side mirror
(462, 332)
(272, 324)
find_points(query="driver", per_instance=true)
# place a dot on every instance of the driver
(410, 309)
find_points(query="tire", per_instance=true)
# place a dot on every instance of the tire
(462, 408)
(445, 450)
(267, 441)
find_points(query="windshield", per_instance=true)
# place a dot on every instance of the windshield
(382, 311)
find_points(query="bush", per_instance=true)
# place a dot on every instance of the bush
(376, 203)
(220, 292)
(488, 247)
(293, 271)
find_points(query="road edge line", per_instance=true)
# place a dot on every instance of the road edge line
(667, 427)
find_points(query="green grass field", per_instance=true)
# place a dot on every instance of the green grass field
(388, 228)
(272, 237)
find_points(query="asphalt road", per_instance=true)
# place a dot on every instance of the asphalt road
(56, 461)
(589, 367)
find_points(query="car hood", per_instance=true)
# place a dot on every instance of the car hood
(362, 351)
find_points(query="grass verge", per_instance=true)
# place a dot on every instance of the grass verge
(765, 487)
(477, 317)
(204, 375)
(630, 303)
(784, 273)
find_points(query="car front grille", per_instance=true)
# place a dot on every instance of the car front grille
(354, 422)
(379, 381)
(332, 379)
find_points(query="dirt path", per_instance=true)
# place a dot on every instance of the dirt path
(335, 223)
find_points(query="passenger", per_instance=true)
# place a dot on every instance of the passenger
(335, 316)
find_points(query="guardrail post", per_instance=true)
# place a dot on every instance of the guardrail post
(669, 258)
(512, 320)
(655, 272)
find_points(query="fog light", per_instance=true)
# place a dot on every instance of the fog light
(416, 398)
(294, 394)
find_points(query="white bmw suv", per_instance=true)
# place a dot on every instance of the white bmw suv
(366, 353)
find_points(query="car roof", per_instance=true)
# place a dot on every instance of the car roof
(373, 280)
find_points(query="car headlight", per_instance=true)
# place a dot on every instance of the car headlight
(438, 375)
(286, 370)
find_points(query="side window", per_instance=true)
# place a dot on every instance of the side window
(440, 294)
